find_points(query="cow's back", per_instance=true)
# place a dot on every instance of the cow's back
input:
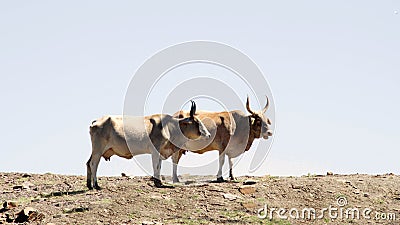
(220, 125)
(123, 136)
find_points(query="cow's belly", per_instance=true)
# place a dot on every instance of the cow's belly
(127, 149)
(236, 147)
(199, 146)
(137, 150)
(139, 147)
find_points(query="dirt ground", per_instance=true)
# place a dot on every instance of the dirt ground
(312, 199)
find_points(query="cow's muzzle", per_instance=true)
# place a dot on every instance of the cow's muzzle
(268, 134)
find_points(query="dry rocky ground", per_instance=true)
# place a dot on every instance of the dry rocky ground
(59, 199)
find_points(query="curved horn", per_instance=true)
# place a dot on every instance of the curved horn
(266, 105)
(192, 109)
(248, 105)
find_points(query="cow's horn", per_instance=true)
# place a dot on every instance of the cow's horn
(192, 109)
(266, 105)
(248, 105)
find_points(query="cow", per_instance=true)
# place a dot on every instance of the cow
(127, 136)
(232, 133)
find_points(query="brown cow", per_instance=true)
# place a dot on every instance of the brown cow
(232, 134)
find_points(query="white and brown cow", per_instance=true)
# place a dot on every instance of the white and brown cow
(129, 136)
(232, 133)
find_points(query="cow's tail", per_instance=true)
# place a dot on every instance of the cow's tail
(93, 127)
(97, 125)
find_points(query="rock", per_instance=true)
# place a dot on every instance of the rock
(81, 209)
(189, 182)
(26, 175)
(329, 173)
(198, 185)
(10, 204)
(38, 200)
(18, 187)
(166, 197)
(230, 197)
(296, 186)
(249, 206)
(66, 183)
(9, 217)
(27, 185)
(29, 214)
(50, 224)
(366, 195)
(214, 188)
(147, 223)
(57, 193)
(67, 210)
(77, 209)
(249, 182)
(156, 197)
(247, 190)
(123, 175)
(356, 192)
(45, 195)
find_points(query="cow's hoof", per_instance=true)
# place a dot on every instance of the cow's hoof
(220, 180)
(158, 183)
(176, 180)
(97, 187)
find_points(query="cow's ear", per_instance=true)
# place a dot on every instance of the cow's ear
(252, 120)
(268, 121)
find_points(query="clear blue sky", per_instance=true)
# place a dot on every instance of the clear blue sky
(333, 67)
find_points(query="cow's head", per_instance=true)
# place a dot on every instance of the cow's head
(192, 127)
(259, 123)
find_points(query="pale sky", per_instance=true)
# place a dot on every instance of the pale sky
(333, 67)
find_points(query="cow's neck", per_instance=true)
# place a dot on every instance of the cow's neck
(252, 136)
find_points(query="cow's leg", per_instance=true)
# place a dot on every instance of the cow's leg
(89, 174)
(175, 160)
(221, 164)
(230, 168)
(156, 159)
(93, 164)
